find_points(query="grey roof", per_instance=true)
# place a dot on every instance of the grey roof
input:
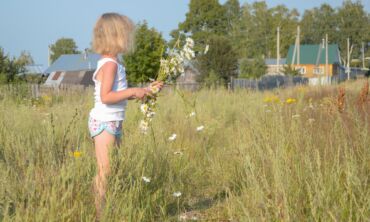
(74, 62)
(32, 69)
(274, 61)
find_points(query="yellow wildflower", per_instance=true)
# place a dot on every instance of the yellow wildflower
(271, 99)
(291, 101)
(77, 154)
(46, 99)
(267, 100)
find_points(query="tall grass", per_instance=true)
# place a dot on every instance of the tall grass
(258, 159)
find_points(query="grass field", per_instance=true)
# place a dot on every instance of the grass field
(300, 154)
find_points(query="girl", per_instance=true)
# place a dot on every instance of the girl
(113, 34)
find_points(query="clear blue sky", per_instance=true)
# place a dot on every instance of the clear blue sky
(32, 25)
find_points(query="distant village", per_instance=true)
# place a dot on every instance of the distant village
(314, 64)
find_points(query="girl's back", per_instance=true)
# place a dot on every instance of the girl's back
(111, 112)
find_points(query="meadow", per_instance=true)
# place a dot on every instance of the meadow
(297, 154)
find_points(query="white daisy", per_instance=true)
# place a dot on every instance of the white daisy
(144, 126)
(144, 108)
(154, 89)
(146, 179)
(172, 137)
(190, 42)
(192, 114)
(150, 114)
(200, 128)
(177, 194)
(206, 49)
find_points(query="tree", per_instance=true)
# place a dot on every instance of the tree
(288, 21)
(318, 22)
(257, 30)
(9, 67)
(353, 23)
(25, 59)
(63, 46)
(144, 62)
(349, 21)
(220, 59)
(3, 58)
(289, 70)
(12, 69)
(253, 68)
(233, 13)
(205, 16)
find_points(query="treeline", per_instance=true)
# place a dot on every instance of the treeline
(250, 30)
(240, 36)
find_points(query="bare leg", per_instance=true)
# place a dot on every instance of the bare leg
(103, 143)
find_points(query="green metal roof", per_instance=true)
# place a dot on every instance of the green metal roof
(311, 54)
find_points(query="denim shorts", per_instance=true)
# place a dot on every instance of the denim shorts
(112, 127)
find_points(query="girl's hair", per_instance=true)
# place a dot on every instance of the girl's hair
(113, 34)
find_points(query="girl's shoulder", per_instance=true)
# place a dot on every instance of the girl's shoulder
(105, 59)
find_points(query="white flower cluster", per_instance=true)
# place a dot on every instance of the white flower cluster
(170, 67)
(187, 51)
(147, 109)
(174, 64)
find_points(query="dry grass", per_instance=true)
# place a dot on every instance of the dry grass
(261, 157)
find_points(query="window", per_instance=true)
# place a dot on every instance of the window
(301, 70)
(56, 76)
(318, 70)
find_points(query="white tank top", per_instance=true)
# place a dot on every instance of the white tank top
(112, 112)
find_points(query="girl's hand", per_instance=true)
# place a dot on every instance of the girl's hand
(141, 93)
(156, 86)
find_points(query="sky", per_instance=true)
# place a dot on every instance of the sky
(32, 25)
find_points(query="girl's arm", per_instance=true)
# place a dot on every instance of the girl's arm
(107, 74)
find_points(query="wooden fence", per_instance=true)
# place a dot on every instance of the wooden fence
(268, 82)
(36, 90)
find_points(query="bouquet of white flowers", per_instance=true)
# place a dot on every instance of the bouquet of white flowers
(170, 68)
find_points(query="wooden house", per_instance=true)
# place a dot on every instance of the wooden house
(315, 62)
(272, 67)
(188, 79)
(72, 69)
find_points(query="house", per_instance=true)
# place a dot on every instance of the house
(188, 79)
(272, 66)
(72, 69)
(311, 62)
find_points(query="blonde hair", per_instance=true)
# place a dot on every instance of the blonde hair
(113, 34)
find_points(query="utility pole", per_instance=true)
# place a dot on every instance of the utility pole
(299, 45)
(327, 59)
(278, 51)
(49, 55)
(348, 58)
(363, 55)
